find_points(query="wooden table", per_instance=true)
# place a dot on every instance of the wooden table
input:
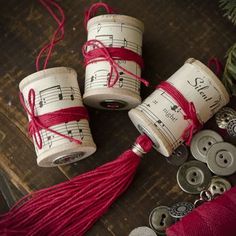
(174, 31)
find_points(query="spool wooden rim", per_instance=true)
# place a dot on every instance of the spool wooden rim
(45, 73)
(116, 18)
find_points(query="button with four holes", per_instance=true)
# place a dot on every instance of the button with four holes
(193, 177)
(223, 117)
(160, 219)
(202, 142)
(218, 185)
(221, 159)
(231, 127)
(142, 231)
(179, 156)
(181, 209)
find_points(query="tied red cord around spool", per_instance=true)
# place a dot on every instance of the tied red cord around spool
(213, 218)
(188, 108)
(100, 52)
(45, 121)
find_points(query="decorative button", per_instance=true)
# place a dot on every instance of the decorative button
(193, 177)
(142, 231)
(201, 143)
(223, 117)
(179, 156)
(181, 209)
(160, 219)
(221, 159)
(219, 185)
(231, 128)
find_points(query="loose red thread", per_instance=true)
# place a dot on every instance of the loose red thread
(215, 65)
(58, 35)
(45, 121)
(100, 52)
(92, 11)
(187, 107)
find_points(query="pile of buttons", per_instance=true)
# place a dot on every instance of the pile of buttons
(226, 119)
(212, 155)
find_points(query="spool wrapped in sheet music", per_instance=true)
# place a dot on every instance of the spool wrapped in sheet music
(162, 119)
(116, 31)
(56, 89)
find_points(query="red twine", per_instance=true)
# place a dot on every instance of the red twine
(58, 35)
(100, 52)
(45, 121)
(215, 65)
(187, 107)
(92, 11)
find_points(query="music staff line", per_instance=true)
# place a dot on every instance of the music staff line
(168, 135)
(122, 26)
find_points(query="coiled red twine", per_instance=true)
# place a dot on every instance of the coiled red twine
(188, 108)
(72, 207)
(45, 121)
(214, 218)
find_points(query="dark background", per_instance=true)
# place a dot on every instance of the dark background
(174, 31)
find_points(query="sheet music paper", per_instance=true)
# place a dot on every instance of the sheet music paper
(55, 89)
(198, 85)
(115, 32)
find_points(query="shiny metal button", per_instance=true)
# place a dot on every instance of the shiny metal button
(223, 117)
(221, 159)
(201, 143)
(181, 209)
(218, 185)
(160, 219)
(179, 156)
(231, 127)
(142, 231)
(193, 177)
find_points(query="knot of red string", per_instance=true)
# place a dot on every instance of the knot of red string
(45, 121)
(188, 108)
(215, 64)
(92, 11)
(95, 51)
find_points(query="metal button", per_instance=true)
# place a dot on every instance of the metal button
(193, 177)
(231, 128)
(224, 115)
(219, 185)
(142, 231)
(179, 156)
(201, 143)
(181, 209)
(160, 219)
(221, 159)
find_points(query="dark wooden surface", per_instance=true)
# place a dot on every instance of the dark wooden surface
(174, 31)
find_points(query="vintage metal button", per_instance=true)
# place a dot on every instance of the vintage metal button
(223, 117)
(221, 159)
(193, 177)
(201, 143)
(160, 219)
(181, 209)
(231, 127)
(218, 185)
(179, 156)
(142, 231)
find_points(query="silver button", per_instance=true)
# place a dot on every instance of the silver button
(160, 219)
(181, 209)
(179, 156)
(219, 185)
(201, 143)
(223, 117)
(221, 159)
(231, 128)
(193, 177)
(142, 231)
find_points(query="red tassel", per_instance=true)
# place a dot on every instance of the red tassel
(72, 207)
